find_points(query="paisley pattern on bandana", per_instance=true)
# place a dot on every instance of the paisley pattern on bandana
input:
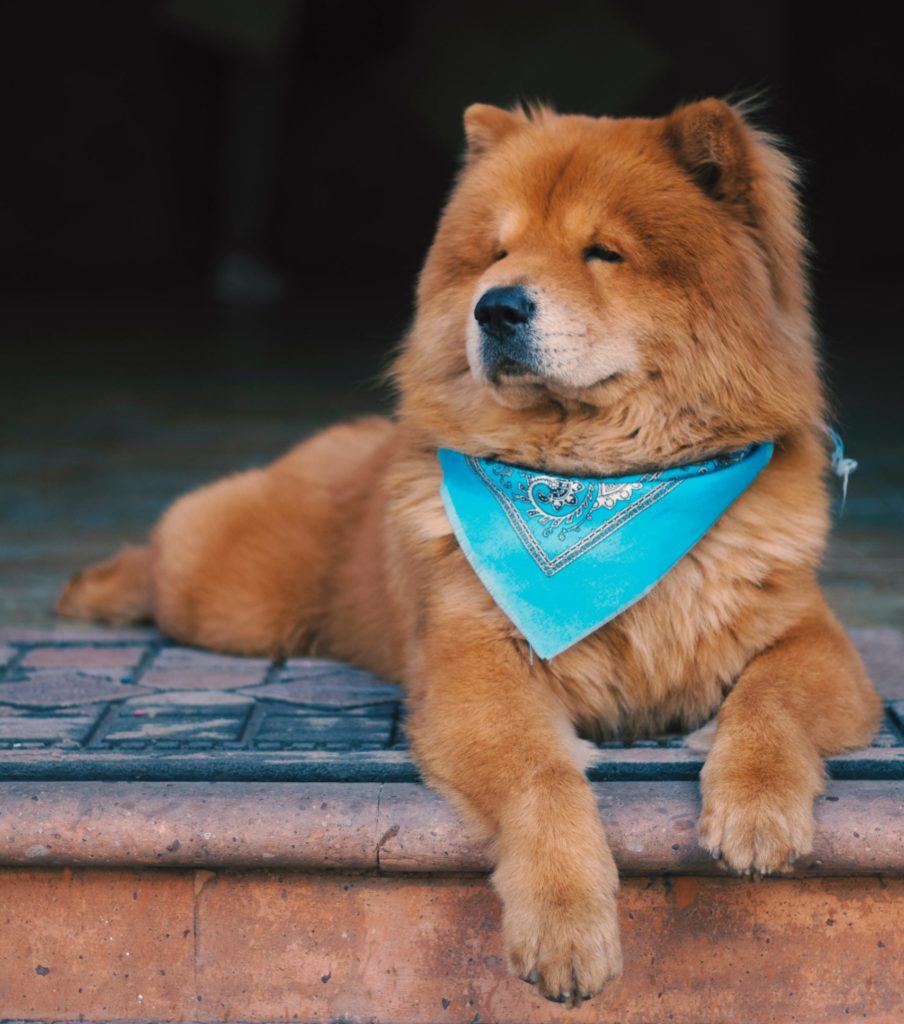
(563, 555)
(559, 518)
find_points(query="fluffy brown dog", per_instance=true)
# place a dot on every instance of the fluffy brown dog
(665, 267)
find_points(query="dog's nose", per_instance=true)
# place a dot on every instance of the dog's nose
(504, 311)
(506, 344)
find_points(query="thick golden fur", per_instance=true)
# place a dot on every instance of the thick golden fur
(698, 341)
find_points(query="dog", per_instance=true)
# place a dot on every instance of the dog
(604, 299)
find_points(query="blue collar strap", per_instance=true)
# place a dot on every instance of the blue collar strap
(562, 555)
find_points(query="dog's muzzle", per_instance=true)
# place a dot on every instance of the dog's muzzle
(505, 316)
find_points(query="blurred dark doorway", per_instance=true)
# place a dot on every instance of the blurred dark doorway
(215, 211)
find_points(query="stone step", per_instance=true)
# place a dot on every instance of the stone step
(184, 837)
(313, 902)
(286, 945)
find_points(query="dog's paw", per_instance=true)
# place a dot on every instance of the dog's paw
(758, 804)
(568, 948)
(760, 834)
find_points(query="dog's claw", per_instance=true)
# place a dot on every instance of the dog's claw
(531, 978)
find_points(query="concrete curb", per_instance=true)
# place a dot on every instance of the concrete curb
(391, 828)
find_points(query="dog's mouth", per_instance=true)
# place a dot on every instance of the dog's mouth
(507, 372)
(511, 378)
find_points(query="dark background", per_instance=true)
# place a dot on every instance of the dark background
(213, 212)
(130, 130)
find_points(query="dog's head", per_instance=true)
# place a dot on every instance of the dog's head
(608, 293)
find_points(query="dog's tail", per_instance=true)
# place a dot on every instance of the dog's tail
(117, 590)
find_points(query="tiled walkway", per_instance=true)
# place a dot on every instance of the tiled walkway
(127, 705)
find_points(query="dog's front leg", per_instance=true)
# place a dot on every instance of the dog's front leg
(805, 697)
(488, 733)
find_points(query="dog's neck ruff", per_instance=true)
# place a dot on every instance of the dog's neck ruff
(562, 555)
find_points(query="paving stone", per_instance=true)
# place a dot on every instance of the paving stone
(200, 702)
(888, 735)
(336, 689)
(188, 698)
(883, 654)
(896, 707)
(324, 730)
(186, 659)
(202, 679)
(298, 668)
(385, 710)
(60, 688)
(53, 728)
(171, 728)
(110, 660)
(85, 632)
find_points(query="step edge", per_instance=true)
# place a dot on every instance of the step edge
(391, 828)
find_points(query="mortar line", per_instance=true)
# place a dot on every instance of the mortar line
(377, 829)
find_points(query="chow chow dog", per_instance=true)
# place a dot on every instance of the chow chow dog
(603, 297)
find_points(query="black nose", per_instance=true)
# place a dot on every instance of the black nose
(504, 311)
(506, 344)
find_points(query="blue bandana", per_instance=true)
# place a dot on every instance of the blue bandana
(562, 555)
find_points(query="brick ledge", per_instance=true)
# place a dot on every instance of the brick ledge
(391, 828)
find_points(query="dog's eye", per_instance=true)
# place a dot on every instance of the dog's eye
(600, 252)
(499, 255)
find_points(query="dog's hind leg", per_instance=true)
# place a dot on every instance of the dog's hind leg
(243, 564)
(117, 590)
(227, 567)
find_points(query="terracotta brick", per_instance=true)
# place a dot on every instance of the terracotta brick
(103, 945)
(108, 660)
(269, 946)
(401, 950)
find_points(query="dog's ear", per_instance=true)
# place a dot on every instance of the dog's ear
(747, 168)
(709, 140)
(485, 125)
